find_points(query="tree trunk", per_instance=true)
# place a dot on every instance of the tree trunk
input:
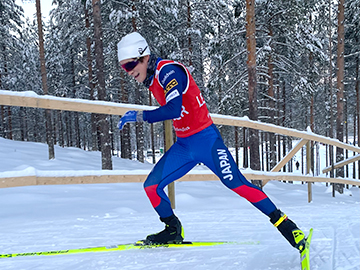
(278, 121)
(286, 139)
(271, 107)
(2, 109)
(245, 149)
(23, 124)
(9, 113)
(340, 91)
(9, 119)
(139, 127)
(354, 143)
(102, 118)
(152, 135)
(251, 67)
(49, 137)
(236, 145)
(125, 133)
(94, 137)
(60, 128)
(357, 88)
(75, 114)
(2, 125)
(346, 119)
(139, 133)
(262, 152)
(312, 127)
(312, 111)
(189, 32)
(331, 120)
(133, 20)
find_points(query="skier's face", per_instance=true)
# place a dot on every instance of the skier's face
(136, 68)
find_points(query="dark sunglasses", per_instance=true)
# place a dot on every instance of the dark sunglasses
(129, 66)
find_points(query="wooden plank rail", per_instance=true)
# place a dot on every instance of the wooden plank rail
(30, 99)
(342, 163)
(307, 135)
(6, 182)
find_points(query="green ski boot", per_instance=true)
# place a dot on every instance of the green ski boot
(288, 229)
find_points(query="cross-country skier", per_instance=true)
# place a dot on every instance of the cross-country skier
(198, 140)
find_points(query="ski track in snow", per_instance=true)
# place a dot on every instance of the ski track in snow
(63, 217)
(44, 218)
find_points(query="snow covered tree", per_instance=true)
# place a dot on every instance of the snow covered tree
(48, 120)
(10, 26)
(26, 77)
(101, 87)
(66, 59)
(352, 63)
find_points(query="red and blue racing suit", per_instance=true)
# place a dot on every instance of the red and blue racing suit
(198, 140)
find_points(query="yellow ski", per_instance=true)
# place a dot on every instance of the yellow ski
(122, 247)
(305, 254)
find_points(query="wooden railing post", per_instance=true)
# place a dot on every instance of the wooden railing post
(169, 141)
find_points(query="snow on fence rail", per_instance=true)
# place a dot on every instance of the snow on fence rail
(31, 99)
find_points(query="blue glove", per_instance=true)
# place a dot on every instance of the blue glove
(129, 116)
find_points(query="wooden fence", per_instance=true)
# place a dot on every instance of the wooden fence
(30, 99)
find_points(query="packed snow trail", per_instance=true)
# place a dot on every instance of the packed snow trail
(41, 218)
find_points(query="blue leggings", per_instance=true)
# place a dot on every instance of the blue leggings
(207, 147)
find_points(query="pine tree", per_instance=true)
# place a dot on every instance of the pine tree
(10, 23)
(101, 88)
(26, 77)
(340, 90)
(48, 120)
(67, 72)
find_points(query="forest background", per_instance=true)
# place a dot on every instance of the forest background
(306, 72)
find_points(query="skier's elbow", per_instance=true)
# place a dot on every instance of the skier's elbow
(176, 113)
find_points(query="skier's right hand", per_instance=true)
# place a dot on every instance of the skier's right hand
(129, 116)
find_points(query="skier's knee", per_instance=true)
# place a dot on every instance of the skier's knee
(151, 180)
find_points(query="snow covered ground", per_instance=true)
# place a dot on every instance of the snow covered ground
(42, 218)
